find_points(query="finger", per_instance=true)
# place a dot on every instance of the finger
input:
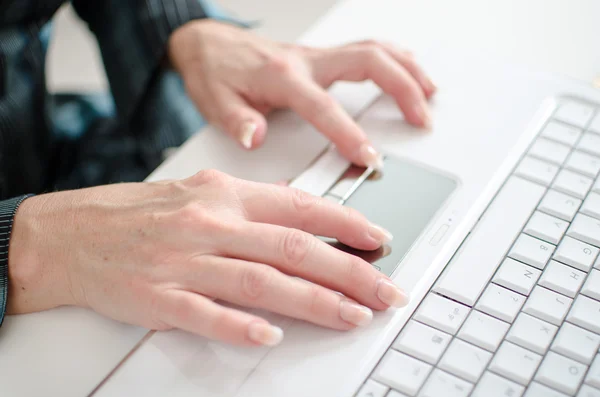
(260, 286)
(300, 254)
(296, 209)
(199, 315)
(409, 63)
(315, 105)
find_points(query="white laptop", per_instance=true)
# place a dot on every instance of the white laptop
(496, 218)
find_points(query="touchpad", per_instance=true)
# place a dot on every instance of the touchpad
(403, 198)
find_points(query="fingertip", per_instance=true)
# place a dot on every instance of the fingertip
(252, 134)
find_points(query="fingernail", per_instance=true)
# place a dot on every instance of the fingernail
(248, 131)
(422, 111)
(265, 334)
(354, 313)
(370, 157)
(380, 234)
(391, 295)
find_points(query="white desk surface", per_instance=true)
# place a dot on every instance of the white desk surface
(68, 351)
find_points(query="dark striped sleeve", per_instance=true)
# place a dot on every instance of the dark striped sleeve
(8, 209)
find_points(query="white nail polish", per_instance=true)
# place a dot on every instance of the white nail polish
(248, 131)
(265, 334)
(370, 157)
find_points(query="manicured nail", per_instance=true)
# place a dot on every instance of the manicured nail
(370, 157)
(390, 294)
(380, 234)
(354, 313)
(248, 131)
(265, 334)
(422, 111)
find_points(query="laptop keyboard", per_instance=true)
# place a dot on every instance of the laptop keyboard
(517, 310)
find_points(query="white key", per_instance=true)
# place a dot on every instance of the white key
(517, 276)
(586, 314)
(442, 313)
(402, 372)
(561, 373)
(591, 287)
(595, 126)
(593, 376)
(583, 163)
(546, 227)
(585, 229)
(473, 267)
(576, 343)
(538, 390)
(561, 132)
(591, 205)
(532, 333)
(562, 279)
(572, 184)
(547, 305)
(550, 151)
(532, 251)
(464, 360)
(537, 170)
(515, 363)
(442, 384)
(422, 342)
(484, 331)
(492, 385)
(575, 113)
(395, 393)
(560, 205)
(588, 391)
(372, 389)
(575, 253)
(590, 143)
(500, 303)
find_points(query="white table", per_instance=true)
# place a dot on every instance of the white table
(68, 351)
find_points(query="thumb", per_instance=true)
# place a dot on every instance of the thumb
(238, 119)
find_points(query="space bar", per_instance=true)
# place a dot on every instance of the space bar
(473, 266)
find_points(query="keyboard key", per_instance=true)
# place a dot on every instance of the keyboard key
(532, 333)
(469, 272)
(561, 132)
(500, 303)
(492, 385)
(560, 205)
(588, 391)
(442, 384)
(547, 305)
(590, 143)
(593, 376)
(546, 227)
(422, 342)
(586, 314)
(591, 287)
(576, 343)
(550, 151)
(585, 229)
(595, 126)
(537, 390)
(484, 331)
(583, 163)
(577, 254)
(464, 360)
(515, 363)
(532, 251)
(537, 170)
(517, 276)
(591, 205)
(402, 372)
(395, 393)
(562, 279)
(372, 389)
(575, 113)
(441, 313)
(572, 184)
(561, 373)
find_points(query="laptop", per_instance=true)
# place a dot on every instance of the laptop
(496, 218)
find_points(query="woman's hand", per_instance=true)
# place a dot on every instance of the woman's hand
(158, 255)
(236, 77)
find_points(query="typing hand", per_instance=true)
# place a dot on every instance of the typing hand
(236, 78)
(162, 255)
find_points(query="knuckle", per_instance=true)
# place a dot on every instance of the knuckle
(295, 247)
(370, 43)
(210, 176)
(356, 269)
(255, 282)
(315, 301)
(280, 65)
(302, 201)
(375, 55)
